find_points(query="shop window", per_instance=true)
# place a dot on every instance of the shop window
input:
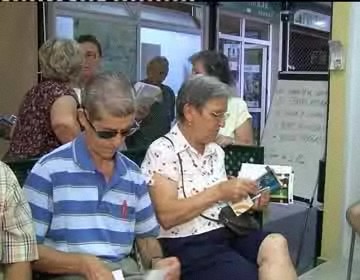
(177, 47)
(111, 24)
(257, 30)
(177, 37)
(308, 50)
(229, 24)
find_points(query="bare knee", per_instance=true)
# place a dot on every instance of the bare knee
(274, 247)
(353, 214)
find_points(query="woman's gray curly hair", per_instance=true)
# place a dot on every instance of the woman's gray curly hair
(60, 59)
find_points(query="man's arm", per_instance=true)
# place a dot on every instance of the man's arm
(56, 262)
(16, 271)
(149, 250)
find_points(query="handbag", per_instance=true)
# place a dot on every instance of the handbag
(240, 225)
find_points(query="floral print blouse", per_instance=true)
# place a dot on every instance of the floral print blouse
(200, 171)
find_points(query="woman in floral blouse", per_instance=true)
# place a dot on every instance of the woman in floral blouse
(48, 114)
(185, 199)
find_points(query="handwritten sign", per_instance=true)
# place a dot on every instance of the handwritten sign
(295, 132)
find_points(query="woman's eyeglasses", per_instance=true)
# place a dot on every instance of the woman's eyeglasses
(108, 134)
(220, 116)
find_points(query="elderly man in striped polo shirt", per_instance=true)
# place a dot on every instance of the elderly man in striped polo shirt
(89, 202)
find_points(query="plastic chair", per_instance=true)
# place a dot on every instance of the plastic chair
(136, 156)
(21, 168)
(237, 154)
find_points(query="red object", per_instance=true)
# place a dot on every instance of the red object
(124, 209)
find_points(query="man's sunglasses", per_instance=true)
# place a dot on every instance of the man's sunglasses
(108, 134)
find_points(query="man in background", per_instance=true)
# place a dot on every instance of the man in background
(155, 121)
(17, 237)
(93, 53)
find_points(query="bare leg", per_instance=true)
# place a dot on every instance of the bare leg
(353, 216)
(274, 260)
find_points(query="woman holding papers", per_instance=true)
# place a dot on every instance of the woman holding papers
(238, 128)
(188, 185)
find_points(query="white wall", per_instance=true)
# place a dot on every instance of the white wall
(352, 130)
(177, 48)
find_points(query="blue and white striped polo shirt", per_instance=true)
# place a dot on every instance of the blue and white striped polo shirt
(75, 210)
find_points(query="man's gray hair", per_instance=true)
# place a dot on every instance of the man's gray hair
(197, 91)
(110, 94)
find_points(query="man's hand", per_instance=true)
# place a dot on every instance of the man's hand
(262, 202)
(171, 266)
(94, 269)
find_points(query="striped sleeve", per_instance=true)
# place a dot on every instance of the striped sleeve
(146, 224)
(38, 191)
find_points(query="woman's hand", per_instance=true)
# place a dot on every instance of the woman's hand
(236, 189)
(172, 267)
(262, 202)
(224, 141)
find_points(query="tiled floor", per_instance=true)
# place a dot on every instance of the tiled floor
(332, 270)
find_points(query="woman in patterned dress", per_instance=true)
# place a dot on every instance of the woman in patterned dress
(189, 196)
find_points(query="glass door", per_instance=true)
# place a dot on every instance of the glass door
(255, 84)
(232, 49)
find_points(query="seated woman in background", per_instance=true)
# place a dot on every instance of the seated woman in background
(188, 184)
(238, 128)
(48, 114)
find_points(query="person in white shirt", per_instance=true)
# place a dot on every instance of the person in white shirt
(188, 185)
(238, 128)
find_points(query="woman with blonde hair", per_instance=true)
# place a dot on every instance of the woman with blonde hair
(48, 114)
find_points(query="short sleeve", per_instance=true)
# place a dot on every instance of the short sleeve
(18, 237)
(241, 111)
(146, 223)
(162, 159)
(38, 190)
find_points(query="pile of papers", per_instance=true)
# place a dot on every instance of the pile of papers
(285, 174)
(147, 94)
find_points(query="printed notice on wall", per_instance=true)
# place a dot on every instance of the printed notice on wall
(295, 131)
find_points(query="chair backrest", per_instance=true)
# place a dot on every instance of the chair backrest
(136, 156)
(238, 154)
(21, 168)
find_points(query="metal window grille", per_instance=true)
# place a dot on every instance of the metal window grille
(308, 50)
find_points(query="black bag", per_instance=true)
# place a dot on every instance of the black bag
(240, 225)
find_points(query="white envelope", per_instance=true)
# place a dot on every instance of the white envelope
(118, 275)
